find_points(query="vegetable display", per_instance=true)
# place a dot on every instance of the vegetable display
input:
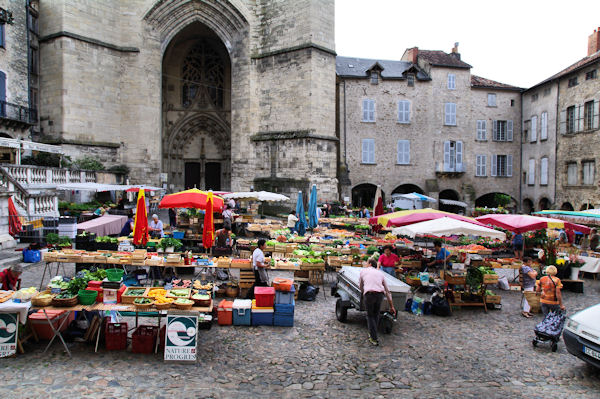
(142, 301)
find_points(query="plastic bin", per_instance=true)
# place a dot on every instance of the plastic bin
(115, 335)
(284, 315)
(114, 274)
(264, 296)
(283, 284)
(283, 297)
(41, 325)
(178, 235)
(87, 297)
(32, 256)
(242, 309)
(225, 313)
(261, 316)
(143, 339)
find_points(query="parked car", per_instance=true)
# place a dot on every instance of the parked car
(582, 335)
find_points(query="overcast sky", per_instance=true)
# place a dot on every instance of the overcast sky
(516, 42)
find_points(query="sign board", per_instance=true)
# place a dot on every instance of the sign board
(164, 177)
(9, 323)
(181, 337)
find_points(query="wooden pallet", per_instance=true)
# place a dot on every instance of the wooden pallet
(246, 278)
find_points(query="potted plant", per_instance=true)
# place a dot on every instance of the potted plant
(169, 244)
(64, 242)
(576, 263)
(52, 239)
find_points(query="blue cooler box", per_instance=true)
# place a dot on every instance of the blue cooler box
(284, 315)
(242, 309)
(285, 297)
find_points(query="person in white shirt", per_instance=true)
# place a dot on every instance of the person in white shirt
(259, 266)
(156, 227)
(319, 213)
(291, 223)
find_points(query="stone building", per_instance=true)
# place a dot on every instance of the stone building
(226, 95)
(18, 75)
(578, 144)
(425, 124)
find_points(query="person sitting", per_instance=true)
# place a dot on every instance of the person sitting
(442, 255)
(128, 226)
(9, 278)
(99, 211)
(550, 286)
(594, 240)
(156, 227)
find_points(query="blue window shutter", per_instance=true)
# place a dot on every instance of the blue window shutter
(509, 130)
(446, 155)
(1, 35)
(2, 93)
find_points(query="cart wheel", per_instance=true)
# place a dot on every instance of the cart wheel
(341, 312)
(554, 346)
(387, 325)
(534, 342)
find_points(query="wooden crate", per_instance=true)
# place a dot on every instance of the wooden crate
(130, 298)
(490, 279)
(246, 278)
(411, 264)
(493, 299)
(241, 264)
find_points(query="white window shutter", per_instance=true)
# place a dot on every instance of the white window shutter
(484, 130)
(494, 164)
(509, 130)
(406, 152)
(372, 110)
(459, 156)
(447, 114)
(578, 118)
(533, 129)
(509, 165)
(407, 111)
(483, 165)
(531, 172)
(596, 117)
(399, 111)
(365, 151)
(365, 107)
(544, 171)
(495, 133)
(446, 155)
(372, 151)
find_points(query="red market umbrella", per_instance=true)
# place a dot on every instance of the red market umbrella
(14, 223)
(192, 198)
(523, 223)
(209, 230)
(140, 227)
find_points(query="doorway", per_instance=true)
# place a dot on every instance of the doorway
(192, 175)
(212, 176)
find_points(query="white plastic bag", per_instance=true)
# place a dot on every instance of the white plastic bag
(503, 283)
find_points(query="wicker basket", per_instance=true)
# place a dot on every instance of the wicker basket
(182, 306)
(36, 301)
(143, 306)
(163, 306)
(232, 292)
(65, 302)
(533, 299)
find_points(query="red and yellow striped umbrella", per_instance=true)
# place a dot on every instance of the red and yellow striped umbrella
(192, 198)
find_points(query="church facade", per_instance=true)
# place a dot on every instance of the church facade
(222, 95)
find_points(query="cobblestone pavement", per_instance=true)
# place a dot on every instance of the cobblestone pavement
(469, 355)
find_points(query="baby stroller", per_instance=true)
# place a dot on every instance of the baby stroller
(550, 329)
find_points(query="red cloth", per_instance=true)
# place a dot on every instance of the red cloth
(14, 224)
(570, 236)
(388, 261)
(9, 282)
(140, 227)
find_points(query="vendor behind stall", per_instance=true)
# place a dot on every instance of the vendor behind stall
(388, 261)
(156, 227)
(442, 255)
(259, 266)
(223, 241)
(9, 277)
(128, 226)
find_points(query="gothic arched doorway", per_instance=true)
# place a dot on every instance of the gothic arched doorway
(197, 110)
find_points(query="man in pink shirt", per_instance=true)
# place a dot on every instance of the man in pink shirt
(373, 286)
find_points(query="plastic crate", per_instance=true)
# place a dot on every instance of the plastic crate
(285, 297)
(178, 235)
(283, 320)
(261, 316)
(115, 335)
(264, 296)
(143, 339)
(225, 313)
(242, 309)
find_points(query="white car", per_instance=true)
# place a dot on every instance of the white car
(582, 335)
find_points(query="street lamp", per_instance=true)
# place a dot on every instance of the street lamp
(6, 17)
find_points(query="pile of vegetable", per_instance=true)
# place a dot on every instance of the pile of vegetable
(107, 239)
(142, 301)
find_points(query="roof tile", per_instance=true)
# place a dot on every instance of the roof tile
(479, 82)
(440, 58)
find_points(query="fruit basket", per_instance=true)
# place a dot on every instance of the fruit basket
(64, 300)
(143, 303)
(42, 299)
(201, 299)
(163, 303)
(177, 293)
(183, 304)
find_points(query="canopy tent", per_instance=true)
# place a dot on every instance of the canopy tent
(417, 197)
(99, 187)
(585, 217)
(523, 223)
(139, 187)
(257, 196)
(104, 225)
(453, 203)
(446, 226)
(403, 218)
(192, 198)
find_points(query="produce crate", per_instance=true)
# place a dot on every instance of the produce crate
(115, 335)
(455, 280)
(280, 247)
(128, 298)
(413, 281)
(411, 264)
(143, 339)
(490, 279)
(493, 299)
(224, 262)
(241, 264)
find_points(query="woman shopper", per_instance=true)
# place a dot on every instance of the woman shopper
(388, 261)
(550, 286)
(373, 287)
(528, 284)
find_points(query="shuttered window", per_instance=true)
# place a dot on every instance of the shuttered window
(531, 172)
(368, 110)
(502, 165)
(589, 169)
(450, 114)
(404, 111)
(491, 100)
(544, 126)
(451, 81)
(481, 163)
(502, 131)
(481, 129)
(533, 129)
(544, 171)
(572, 174)
(368, 151)
(453, 156)
(403, 152)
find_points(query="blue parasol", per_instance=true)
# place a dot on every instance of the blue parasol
(301, 223)
(313, 221)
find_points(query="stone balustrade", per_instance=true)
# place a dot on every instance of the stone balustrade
(35, 175)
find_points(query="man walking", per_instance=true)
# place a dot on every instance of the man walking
(373, 286)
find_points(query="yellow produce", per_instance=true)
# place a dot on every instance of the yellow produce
(155, 292)
(163, 299)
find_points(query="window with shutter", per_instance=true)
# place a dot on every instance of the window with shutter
(481, 129)
(531, 172)
(579, 121)
(544, 127)
(368, 151)
(495, 131)
(509, 130)
(494, 165)
(403, 152)
(544, 171)
(509, 165)
(451, 81)
(459, 156)
(491, 100)
(480, 169)
(404, 111)
(596, 118)
(588, 115)
(368, 110)
(446, 156)
(533, 129)
(572, 174)
(450, 114)
(571, 119)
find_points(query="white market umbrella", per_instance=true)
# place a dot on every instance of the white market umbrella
(417, 197)
(257, 196)
(445, 227)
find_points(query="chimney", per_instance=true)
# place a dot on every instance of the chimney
(411, 55)
(455, 52)
(594, 42)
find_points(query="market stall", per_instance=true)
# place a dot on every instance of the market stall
(104, 225)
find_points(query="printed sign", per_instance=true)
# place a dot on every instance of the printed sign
(9, 327)
(181, 340)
